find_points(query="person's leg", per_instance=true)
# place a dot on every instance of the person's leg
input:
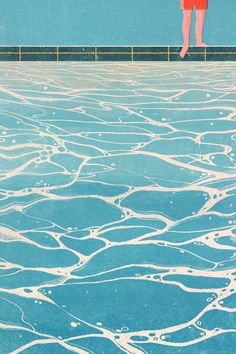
(186, 31)
(200, 20)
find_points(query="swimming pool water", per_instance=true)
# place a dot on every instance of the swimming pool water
(117, 208)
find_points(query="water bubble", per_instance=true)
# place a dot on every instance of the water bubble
(125, 329)
(73, 324)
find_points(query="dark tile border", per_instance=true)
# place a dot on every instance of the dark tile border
(38, 53)
(115, 53)
(76, 54)
(221, 54)
(9, 54)
(193, 54)
(150, 53)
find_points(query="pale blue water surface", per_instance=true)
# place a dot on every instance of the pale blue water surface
(117, 208)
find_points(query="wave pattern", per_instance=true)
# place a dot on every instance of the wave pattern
(117, 208)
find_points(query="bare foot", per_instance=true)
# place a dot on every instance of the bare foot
(202, 44)
(184, 51)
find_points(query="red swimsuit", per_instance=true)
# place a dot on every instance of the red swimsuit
(197, 4)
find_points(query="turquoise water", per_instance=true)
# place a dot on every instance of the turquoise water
(117, 208)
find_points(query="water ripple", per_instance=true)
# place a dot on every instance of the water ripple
(117, 208)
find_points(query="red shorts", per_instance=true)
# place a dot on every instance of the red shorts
(197, 4)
